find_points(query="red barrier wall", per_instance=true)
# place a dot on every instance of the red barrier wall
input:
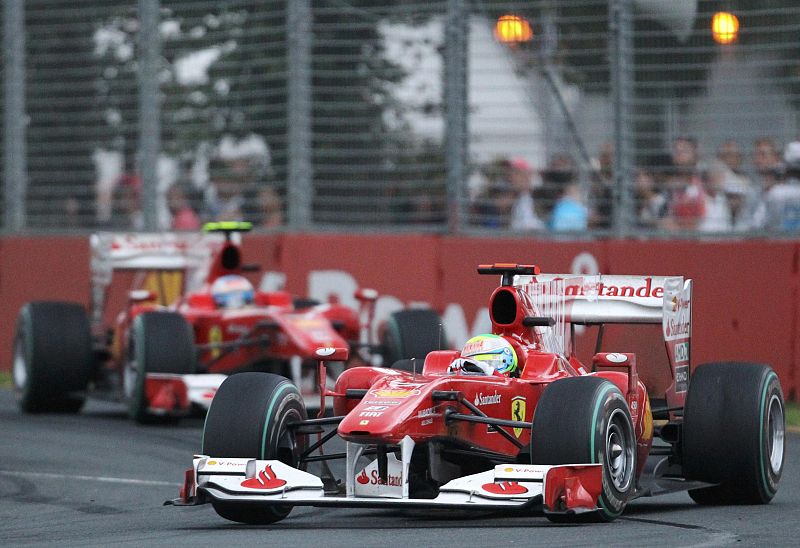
(746, 294)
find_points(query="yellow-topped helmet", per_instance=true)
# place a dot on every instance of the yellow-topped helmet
(493, 350)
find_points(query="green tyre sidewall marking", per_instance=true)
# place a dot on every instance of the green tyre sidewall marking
(763, 421)
(276, 398)
(599, 403)
(137, 408)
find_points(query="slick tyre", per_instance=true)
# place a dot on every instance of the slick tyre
(53, 357)
(586, 420)
(159, 342)
(412, 334)
(734, 433)
(248, 418)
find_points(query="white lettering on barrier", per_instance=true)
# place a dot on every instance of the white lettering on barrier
(323, 284)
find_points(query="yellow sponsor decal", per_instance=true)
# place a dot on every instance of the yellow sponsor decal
(648, 420)
(394, 393)
(215, 336)
(308, 322)
(518, 412)
(166, 285)
(211, 462)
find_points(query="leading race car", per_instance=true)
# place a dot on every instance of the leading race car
(512, 420)
(191, 319)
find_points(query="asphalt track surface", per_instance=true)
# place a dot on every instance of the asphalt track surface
(98, 479)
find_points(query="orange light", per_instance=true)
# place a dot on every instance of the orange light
(724, 27)
(512, 29)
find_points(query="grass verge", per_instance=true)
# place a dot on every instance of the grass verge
(5, 379)
(793, 414)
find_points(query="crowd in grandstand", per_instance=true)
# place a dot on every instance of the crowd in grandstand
(674, 192)
(678, 191)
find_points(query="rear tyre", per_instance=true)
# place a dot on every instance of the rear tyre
(586, 420)
(248, 419)
(53, 358)
(734, 433)
(159, 342)
(412, 334)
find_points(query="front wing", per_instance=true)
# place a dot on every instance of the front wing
(572, 488)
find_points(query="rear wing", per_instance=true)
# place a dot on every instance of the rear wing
(599, 299)
(189, 253)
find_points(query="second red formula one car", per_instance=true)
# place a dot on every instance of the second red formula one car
(191, 318)
(512, 420)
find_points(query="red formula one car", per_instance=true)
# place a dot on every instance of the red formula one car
(512, 420)
(190, 320)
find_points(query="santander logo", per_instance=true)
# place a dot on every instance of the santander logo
(266, 479)
(375, 479)
(505, 488)
(488, 399)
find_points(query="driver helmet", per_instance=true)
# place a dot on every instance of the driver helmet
(492, 350)
(232, 291)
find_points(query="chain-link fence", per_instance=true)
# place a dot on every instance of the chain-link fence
(621, 117)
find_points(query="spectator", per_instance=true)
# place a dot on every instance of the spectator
(685, 156)
(716, 213)
(782, 201)
(270, 208)
(651, 204)
(560, 171)
(491, 207)
(523, 213)
(768, 170)
(730, 154)
(226, 197)
(570, 214)
(126, 207)
(736, 195)
(685, 199)
(601, 193)
(766, 163)
(184, 217)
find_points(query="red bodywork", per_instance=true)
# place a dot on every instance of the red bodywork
(399, 403)
(267, 334)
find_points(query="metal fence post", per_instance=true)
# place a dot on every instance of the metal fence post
(299, 184)
(15, 174)
(622, 91)
(456, 109)
(149, 109)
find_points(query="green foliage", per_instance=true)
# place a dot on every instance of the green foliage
(793, 414)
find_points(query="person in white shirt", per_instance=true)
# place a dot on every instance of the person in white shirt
(717, 214)
(782, 201)
(523, 213)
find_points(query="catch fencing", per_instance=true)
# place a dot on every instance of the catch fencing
(575, 119)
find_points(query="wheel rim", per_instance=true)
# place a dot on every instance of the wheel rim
(777, 432)
(619, 451)
(20, 368)
(287, 448)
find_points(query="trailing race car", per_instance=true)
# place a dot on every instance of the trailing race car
(190, 319)
(512, 420)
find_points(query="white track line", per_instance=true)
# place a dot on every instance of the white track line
(87, 478)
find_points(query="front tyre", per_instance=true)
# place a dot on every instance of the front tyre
(249, 418)
(53, 357)
(586, 420)
(159, 342)
(734, 433)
